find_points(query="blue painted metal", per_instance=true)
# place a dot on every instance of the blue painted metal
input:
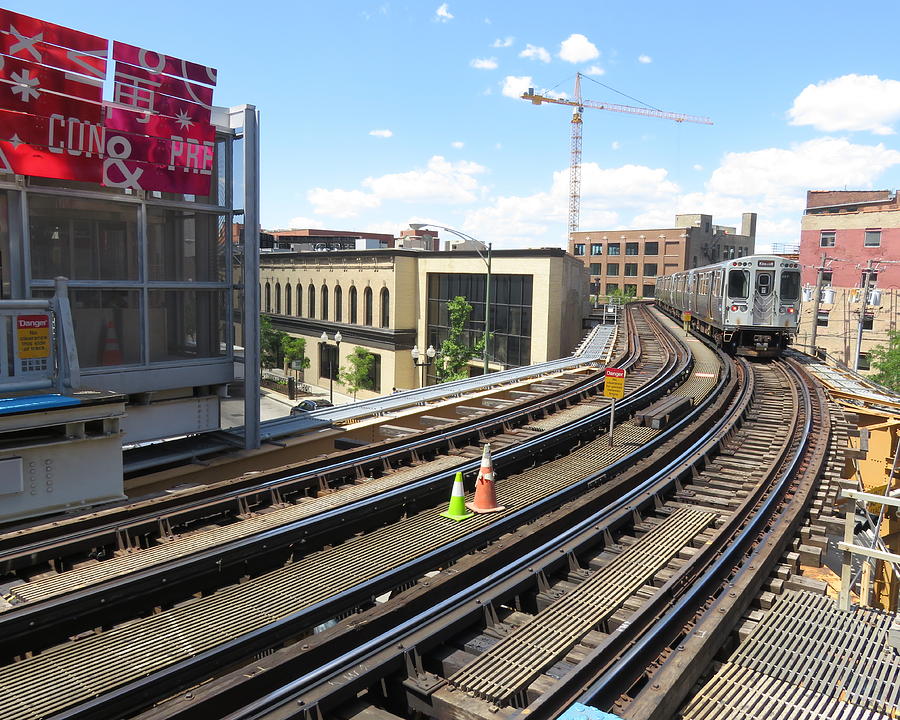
(586, 712)
(30, 403)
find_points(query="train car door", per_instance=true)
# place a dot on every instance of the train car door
(764, 297)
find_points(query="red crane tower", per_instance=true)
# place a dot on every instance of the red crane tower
(580, 104)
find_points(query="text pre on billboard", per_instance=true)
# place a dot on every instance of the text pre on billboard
(154, 135)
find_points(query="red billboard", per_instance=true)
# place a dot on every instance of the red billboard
(154, 135)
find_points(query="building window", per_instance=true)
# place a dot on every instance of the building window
(299, 300)
(651, 248)
(579, 248)
(648, 291)
(385, 308)
(287, 299)
(596, 248)
(329, 364)
(826, 238)
(324, 308)
(826, 277)
(375, 373)
(822, 318)
(631, 248)
(868, 321)
(873, 238)
(338, 304)
(511, 308)
(268, 299)
(612, 269)
(353, 305)
(863, 362)
(595, 268)
(631, 269)
(367, 306)
(278, 298)
(613, 248)
(650, 270)
(612, 288)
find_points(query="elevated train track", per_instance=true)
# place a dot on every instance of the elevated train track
(598, 513)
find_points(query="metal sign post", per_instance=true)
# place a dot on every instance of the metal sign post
(613, 387)
(686, 320)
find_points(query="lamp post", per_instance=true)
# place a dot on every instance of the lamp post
(487, 289)
(428, 359)
(337, 341)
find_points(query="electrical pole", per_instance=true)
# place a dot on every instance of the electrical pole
(867, 277)
(817, 299)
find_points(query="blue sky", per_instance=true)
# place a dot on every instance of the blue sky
(377, 114)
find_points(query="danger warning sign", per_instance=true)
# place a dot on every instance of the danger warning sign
(33, 336)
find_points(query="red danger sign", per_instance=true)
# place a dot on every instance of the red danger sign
(33, 336)
(615, 373)
(614, 387)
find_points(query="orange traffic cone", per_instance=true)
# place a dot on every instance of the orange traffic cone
(457, 509)
(485, 497)
(112, 353)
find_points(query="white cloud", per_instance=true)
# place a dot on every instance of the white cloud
(484, 63)
(502, 42)
(534, 52)
(381, 133)
(559, 95)
(515, 85)
(850, 102)
(697, 167)
(442, 14)
(300, 222)
(577, 49)
(458, 144)
(645, 59)
(595, 70)
(341, 203)
(615, 145)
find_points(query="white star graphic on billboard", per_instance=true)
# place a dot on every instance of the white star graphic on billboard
(25, 85)
(184, 120)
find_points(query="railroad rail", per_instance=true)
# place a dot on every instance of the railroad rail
(758, 507)
(290, 620)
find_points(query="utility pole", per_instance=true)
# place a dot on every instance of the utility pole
(867, 277)
(817, 299)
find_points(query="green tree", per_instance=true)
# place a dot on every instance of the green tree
(293, 349)
(886, 360)
(454, 354)
(626, 296)
(357, 375)
(270, 343)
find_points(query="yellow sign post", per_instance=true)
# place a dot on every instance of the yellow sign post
(686, 319)
(614, 388)
(33, 336)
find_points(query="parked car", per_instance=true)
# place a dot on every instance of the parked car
(308, 405)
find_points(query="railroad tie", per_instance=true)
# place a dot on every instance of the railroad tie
(512, 664)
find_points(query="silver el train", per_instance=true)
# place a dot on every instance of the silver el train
(749, 305)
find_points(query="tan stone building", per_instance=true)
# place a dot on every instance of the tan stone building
(389, 300)
(631, 260)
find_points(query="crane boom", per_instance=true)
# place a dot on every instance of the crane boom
(578, 104)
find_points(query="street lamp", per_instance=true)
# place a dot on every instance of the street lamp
(337, 341)
(428, 359)
(487, 288)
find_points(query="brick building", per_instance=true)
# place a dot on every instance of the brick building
(848, 230)
(631, 260)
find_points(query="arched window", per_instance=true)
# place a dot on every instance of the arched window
(278, 298)
(311, 301)
(287, 299)
(338, 304)
(299, 300)
(268, 303)
(367, 306)
(353, 304)
(385, 308)
(324, 302)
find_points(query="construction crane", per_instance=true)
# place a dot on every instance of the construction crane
(580, 104)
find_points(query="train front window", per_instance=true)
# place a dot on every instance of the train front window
(738, 284)
(790, 285)
(763, 283)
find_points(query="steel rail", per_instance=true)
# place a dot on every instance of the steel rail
(195, 668)
(365, 652)
(629, 653)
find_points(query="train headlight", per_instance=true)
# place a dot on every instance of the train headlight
(738, 308)
(787, 310)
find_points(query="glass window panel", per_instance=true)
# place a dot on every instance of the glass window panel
(185, 246)
(82, 239)
(738, 283)
(613, 249)
(186, 324)
(107, 326)
(873, 238)
(612, 269)
(650, 269)
(826, 238)
(651, 248)
(790, 285)
(338, 304)
(631, 248)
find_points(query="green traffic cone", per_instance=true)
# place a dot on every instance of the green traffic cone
(457, 509)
